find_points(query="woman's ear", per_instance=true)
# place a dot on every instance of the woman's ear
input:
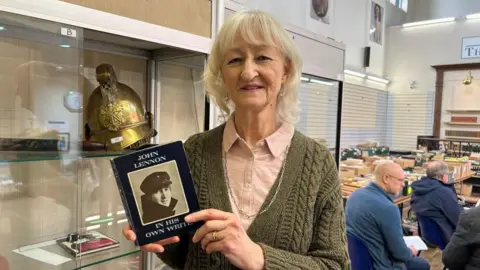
(287, 70)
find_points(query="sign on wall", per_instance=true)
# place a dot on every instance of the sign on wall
(471, 47)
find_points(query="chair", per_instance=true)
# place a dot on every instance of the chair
(358, 253)
(430, 232)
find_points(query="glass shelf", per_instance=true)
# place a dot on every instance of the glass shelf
(29, 156)
(52, 253)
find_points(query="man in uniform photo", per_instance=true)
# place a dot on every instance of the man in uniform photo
(157, 202)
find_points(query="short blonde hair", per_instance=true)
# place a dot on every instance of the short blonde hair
(258, 28)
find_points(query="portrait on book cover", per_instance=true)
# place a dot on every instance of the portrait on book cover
(158, 192)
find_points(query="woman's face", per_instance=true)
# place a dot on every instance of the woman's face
(253, 75)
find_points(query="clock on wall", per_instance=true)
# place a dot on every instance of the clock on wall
(73, 101)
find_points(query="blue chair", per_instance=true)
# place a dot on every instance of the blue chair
(359, 254)
(430, 232)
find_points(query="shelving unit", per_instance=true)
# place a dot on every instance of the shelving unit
(45, 196)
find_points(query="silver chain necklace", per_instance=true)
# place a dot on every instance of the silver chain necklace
(241, 212)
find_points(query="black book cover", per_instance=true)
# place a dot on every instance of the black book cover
(157, 191)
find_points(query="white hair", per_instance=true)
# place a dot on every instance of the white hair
(258, 28)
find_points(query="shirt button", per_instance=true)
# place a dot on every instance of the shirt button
(248, 185)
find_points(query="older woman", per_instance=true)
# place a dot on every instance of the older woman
(270, 196)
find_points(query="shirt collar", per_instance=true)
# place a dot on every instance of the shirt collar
(376, 188)
(276, 143)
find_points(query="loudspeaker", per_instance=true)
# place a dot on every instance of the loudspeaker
(366, 57)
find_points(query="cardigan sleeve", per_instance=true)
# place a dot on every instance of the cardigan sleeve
(328, 249)
(175, 254)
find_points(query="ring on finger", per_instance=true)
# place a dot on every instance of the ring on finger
(214, 236)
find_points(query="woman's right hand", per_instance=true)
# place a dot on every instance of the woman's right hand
(157, 247)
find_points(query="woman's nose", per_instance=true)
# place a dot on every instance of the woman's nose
(249, 71)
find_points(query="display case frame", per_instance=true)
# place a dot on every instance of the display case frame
(115, 35)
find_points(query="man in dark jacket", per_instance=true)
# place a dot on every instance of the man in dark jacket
(435, 198)
(463, 251)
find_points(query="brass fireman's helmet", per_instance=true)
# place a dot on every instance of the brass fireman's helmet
(116, 116)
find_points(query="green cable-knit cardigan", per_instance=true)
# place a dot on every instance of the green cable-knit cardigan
(303, 229)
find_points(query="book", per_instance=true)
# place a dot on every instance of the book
(83, 244)
(157, 191)
(416, 242)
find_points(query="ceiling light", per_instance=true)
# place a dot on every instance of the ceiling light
(473, 16)
(444, 20)
(303, 79)
(321, 82)
(64, 45)
(354, 73)
(377, 79)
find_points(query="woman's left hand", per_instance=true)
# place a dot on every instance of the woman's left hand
(230, 238)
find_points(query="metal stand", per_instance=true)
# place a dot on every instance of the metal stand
(147, 261)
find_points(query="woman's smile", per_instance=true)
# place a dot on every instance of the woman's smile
(251, 87)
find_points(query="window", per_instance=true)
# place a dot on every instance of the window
(404, 5)
(401, 4)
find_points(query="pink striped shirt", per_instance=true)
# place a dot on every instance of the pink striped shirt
(252, 171)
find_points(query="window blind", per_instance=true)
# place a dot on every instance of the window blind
(364, 115)
(318, 115)
(410, 115)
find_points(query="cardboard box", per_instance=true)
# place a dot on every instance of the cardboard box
(346, 173)
(405, 163)
(466, 190)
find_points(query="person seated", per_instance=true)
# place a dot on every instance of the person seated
(463, 250)
(372, 216)
(433, 197)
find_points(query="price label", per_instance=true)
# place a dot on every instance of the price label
(69, 32)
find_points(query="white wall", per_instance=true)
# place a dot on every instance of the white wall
(411, 52)
(348, 23)
(419, 10)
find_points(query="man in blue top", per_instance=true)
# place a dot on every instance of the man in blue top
(434, 197)
(372, 216)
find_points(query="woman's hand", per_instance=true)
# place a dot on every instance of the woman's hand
(156, 247)
(223, 232)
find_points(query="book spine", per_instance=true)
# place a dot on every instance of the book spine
(123, 198)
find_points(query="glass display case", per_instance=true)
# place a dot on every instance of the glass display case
(56, 188)
(320, 103)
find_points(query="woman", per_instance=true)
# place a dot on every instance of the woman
(270, 196)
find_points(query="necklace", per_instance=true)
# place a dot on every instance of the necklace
(241, 212)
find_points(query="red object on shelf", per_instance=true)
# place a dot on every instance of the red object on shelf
(464, 119)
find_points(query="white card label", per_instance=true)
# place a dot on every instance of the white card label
(44, 256)
(69, 32)
(116, 139)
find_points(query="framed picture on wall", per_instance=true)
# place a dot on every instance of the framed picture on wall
(376, 23)
(320, 10)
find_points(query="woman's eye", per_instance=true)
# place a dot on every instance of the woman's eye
(234, 60)
(263, 58)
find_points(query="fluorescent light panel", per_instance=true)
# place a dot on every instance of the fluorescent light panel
(354, 73)
(473, 16)
(377, 79)
(321, 82)
(308, 80)
(444, 20)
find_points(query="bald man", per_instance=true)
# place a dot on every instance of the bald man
(372, 216)
(433, 196)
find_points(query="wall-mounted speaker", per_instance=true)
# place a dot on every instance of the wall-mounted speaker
(366, 57)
